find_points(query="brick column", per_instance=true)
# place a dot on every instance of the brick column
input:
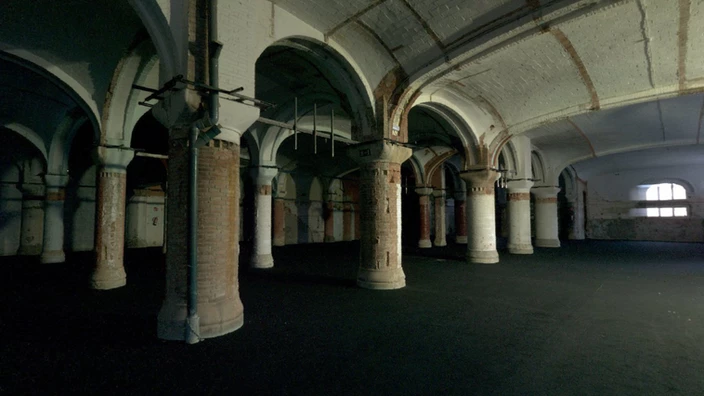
(109, 271)
(53, 241)
(261, 252)
(546, 225)
(347, 222)
(440, 228)
(32, 229)
(481, 215)
(460, 217)
(329, 217)
(380, 219)
(424, 216)
(219, 306)
(519, 238)
(279, 222)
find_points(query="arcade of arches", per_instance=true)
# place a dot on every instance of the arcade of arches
(504, 126)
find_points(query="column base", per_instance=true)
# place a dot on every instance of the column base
(381, 279)
(106, 279)
(483, 256)
(279, 242)
(440, 243)
(53, 257)
(214, 319)
(461, 240)
(520, 248)
(262, 261)
(547, 243)
(425, 243)
(34, 250)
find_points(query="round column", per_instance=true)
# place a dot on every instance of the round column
(53, 240)
(109, 271)
(347, 222)
(424, 216)
(279, 222)
(546, 224)
(329, 216)
(461, 218)
(380, 219)
(440, 228)
(32, 229)
(219, 306)
(261, 252)
(519, 238)
(481, 215)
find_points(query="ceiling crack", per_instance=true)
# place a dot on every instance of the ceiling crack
(682, 36)
(662, 123)
(646, 41)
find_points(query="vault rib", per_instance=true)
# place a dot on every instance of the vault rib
(584, 136)
(572, 52)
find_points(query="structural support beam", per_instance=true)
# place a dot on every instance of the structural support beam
(53, 241)
(380, 221)
(261, 252)
(109, 271)
(481, 215)
(546, 224)
(440, 228)
(32, 229)
(519, 238)
(424, 194)
(461, 217)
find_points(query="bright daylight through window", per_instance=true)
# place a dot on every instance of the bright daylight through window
(666, 192)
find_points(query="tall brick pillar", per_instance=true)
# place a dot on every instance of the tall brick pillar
(424, 194)
(461, 217)
(32, 229)
(261, 252)
(219, 306)
(481, 215)
(546, 224)
(348, 222)
(440, 228)
(279, 222)
(329, 216)
(380, 219)
(109, 271)
(519, 238)
(53, 241)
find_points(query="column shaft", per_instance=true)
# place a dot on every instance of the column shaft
(219, 306)
(32, 229)
(53, 241)
(424, 216)
(347, 222)
(279, 222)
(261, 252)
(329, 216)
(481, 216)
(546, 222)
(109, 271)
(440, 228)
(461, 220)
(519, 238)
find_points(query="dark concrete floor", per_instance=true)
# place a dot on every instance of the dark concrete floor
(589, 318)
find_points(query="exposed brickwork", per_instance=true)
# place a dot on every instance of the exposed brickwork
(110, 231)
(279, 221)
(519, 196)
(424, 207)
(461, 218)
(546, 200)
(219, 305)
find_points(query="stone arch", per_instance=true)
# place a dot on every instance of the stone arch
(538, 167)
(450, 113)
(153, 18)
(31, 136)
(60, 146)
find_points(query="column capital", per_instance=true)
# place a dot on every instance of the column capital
(229, 134)
(424, 190)
(56, 181)
(379, 150)
(263, 175)
(479, 177)
(545, 191)
(114, 159)
(519, 186)
(439, 193)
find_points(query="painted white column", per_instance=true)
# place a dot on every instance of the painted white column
(481, 215)
(53, 241)
(110, 208)
(440, 228)
(461, 217)
(424, 216)
(546, 224)
(261, 252)
(519, 238)
(32, 229)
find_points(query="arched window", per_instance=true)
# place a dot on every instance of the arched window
(666, 192)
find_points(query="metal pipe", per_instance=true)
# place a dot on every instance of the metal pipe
(192, 321)
(214, 62)
(295, 123)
